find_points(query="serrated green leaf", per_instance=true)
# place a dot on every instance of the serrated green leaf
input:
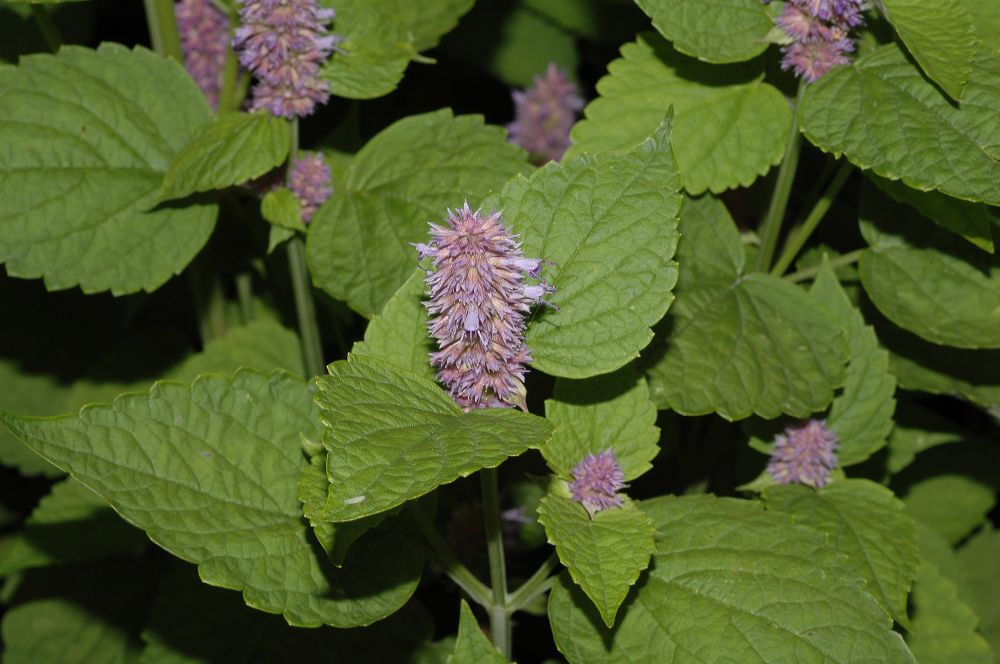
(926, 280)
(738, 343)
(471, 644)
(729, 126)
(428, 20)
(602, 21)
(726, 31)
(608, 222)
(978, 559)
(70, 524)
(393, 435)
(219, 462)
(230, 150)
(606, 412)
(280, 207)
(604, 554)
(32, 394)
(861, 415)
(986, 19)
(939, 35)
(277, 236)
(866, 523)
(398, 334)
(408, 175)
(78, 180)
(914, 431)
(732, 583)
(884, 115)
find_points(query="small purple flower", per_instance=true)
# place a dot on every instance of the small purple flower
(544, 114)
(204, 35)
(804, 454)
(597, 479)
(284, 43)
(478, 303)
(812, 59)
(819, 31)
(310, 180)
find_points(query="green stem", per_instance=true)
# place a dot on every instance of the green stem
(538, 583)
(48, 28)
(771, 227)
(499, 615)
(447, 561)
(228, 100)
(798, 238)
(305, 308)
(244, 293)
(834, 263)
(163, 28)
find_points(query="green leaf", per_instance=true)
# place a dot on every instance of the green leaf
(601, 21)
(986, 19)
(973, 221)
(613, 411)
(32, 394)
(78, 180)
(738, 343)
(728, 31)
(280, 208)
(732, 583)
(884, 115)
(861, 415)
(393, 435)
(978, 558)
(868, 525)
(408, 175)
(399, 334)
(926, 280)
(471, 644)
(609, 223)
(916, 430)
(604, 554)
(70, 524)
(428, 20)
(729, 126)
(939, 35)
(230, 150)
(218, 463)
(277, 236)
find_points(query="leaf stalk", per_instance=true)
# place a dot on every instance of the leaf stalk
(500, 632)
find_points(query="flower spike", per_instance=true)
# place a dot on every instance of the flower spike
(804, 454)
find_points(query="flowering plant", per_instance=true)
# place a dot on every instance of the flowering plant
(676, 341)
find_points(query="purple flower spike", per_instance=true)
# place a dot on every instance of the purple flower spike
(284, 43)
(478, 303)
(804, 454)
(819, 31)
(544, 114)
(204, 35)
(310, 180)
(597, 479)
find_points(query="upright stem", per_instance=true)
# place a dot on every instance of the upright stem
(798, 238)
(163, 28)
(810, 272)
(209, 299)
(539, 583)
(48, 28)
(771, 228)
(244, 294)
(228, 100)
(499, 616)
(450, 563)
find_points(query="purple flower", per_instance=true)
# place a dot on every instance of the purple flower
(597, 479)
(804, 454)
(478, 303)
(544, 114)
(204, 35)
(310, 180)
(284, 43)
(819, 30)
(812, 59)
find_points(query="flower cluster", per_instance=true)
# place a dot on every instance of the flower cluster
(544, 114)
(478, 303)
(804, 454)
(284, 43)
(819, 32)
(597, 479)
(204, 35)
(309, 178)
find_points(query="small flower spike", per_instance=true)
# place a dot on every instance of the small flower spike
(284, 43)
(804, 454)
(310, 180)
(544, 114)
(819, 31)
(478, 304)
(597, 479)
(204, 35)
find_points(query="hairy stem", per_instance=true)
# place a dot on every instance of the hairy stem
(48, 28)
(499, 615)
(449, 563)
(163, 28)
(798, 238)
(771, 227)
(538, 583)
(810, 272)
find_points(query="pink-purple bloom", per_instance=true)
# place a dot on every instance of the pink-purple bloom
(819, 30)
(309, 178)
(804, 454)
(204, 34)
(544, 114)
(597, 479)
(284, 43)
(478, 304)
